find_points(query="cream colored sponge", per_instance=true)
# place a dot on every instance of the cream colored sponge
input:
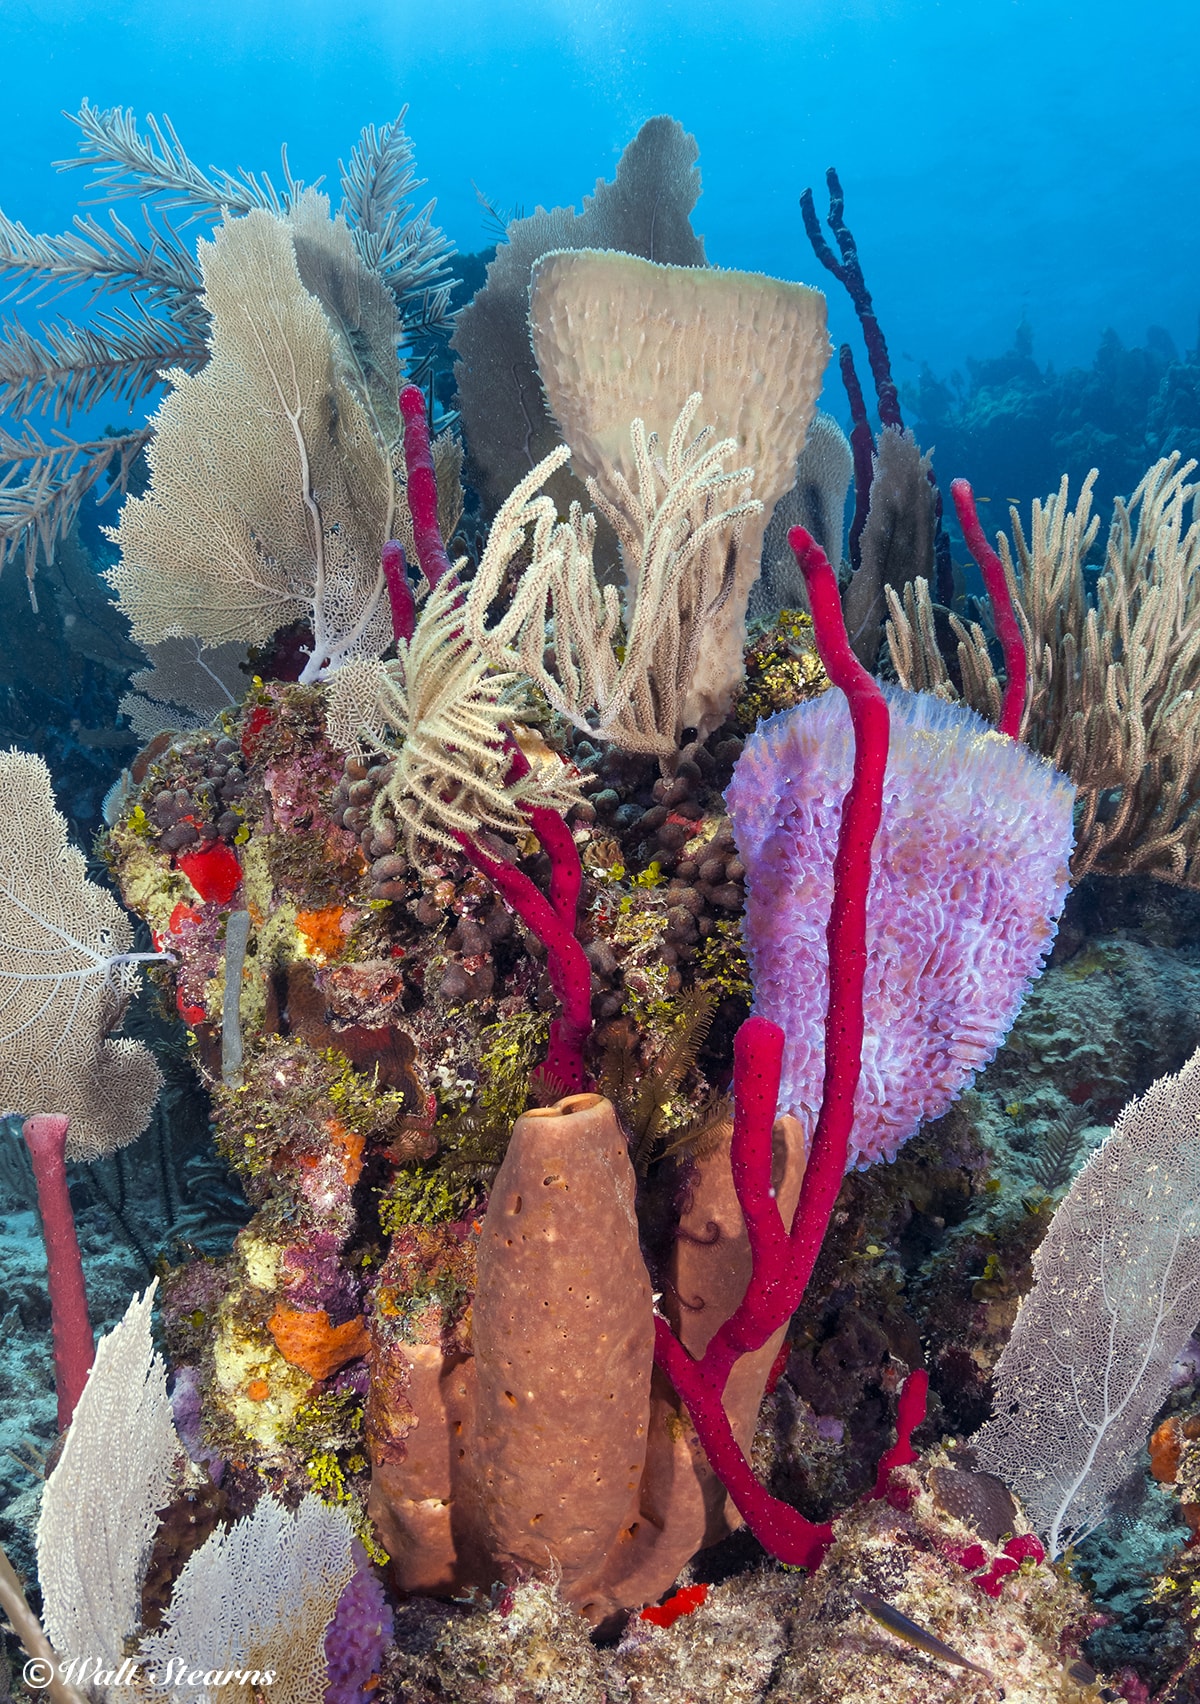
(617, 338)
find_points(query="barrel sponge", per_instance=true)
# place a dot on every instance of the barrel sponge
(618, 338)
(969, 875)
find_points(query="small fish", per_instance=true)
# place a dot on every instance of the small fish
(881, 1611)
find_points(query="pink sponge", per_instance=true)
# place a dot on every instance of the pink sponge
(969, 874)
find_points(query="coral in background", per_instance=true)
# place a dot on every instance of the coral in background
(1110, 698)
(1015, 425)
(644, 211)
(186, 685)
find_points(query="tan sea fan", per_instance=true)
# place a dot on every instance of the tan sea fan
(272, 471)
(66, 977)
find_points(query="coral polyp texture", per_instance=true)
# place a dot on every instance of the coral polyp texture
(968, 879)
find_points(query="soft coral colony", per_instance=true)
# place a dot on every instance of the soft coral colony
(464, 911)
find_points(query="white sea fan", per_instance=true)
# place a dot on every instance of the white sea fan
(254, 1600)
(1115, 1298)
(100, 1507)
(66, 977)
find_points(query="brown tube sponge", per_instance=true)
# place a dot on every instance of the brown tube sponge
(562, 1327)
(422, 1496)
(709, 1273)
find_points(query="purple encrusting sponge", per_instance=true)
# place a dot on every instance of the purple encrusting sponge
(969, 875)
(358, 1636)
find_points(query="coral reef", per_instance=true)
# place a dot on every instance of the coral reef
(556, 963)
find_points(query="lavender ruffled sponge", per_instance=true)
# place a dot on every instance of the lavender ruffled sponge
(969, 875)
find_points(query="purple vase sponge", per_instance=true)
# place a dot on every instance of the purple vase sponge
(969, 875)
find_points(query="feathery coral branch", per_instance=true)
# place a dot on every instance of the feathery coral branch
(119, 355)
(631, 694)
(127, 163)
(37, 505)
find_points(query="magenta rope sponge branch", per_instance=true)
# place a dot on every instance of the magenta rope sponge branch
(422, 487)
(768, 1302)
(567, 965)
(910, 1411)
(999, 591)
(74, 1348)
(773, 1293)
(862, 813)
(782, 1263)
(554, 832)
(400, 593)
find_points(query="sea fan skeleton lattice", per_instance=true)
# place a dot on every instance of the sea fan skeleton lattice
(66, 977)
(1115, 1297)
(121, 354)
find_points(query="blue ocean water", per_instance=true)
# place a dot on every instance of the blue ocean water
(1003, 159)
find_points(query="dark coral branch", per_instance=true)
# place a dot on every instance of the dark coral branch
(849, 274)
(943, 567)
(862, 447)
